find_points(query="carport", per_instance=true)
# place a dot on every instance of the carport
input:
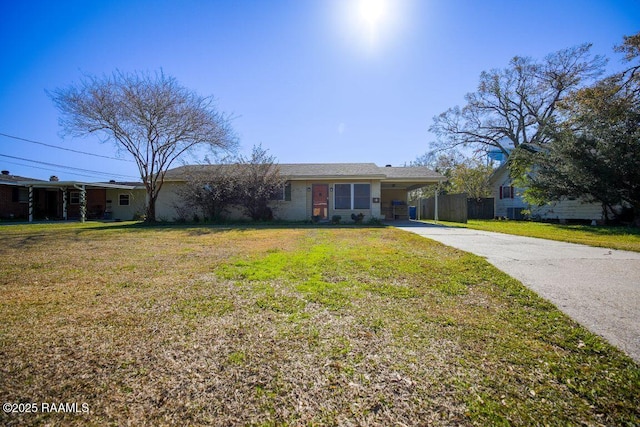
(397, 185)
(64, 186)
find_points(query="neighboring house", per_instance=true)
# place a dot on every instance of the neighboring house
(508, 203)
(33, 199)
(14, 198)
(324, 190)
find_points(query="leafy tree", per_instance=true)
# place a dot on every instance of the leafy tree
(513, 107)
(464, 175)
(471, 177)
(595, 153)
(151, 116)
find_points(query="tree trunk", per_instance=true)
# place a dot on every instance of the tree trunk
(151, 209)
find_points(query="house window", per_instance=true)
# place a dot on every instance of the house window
(361, 196)
(506, 192)
(20, 195)
(123, 200)
(352, 196)
(342, 196)
(282, 193)
(287, 192)
(74, 198)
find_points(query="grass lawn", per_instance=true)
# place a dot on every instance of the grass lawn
(624, 238)
(300, 326)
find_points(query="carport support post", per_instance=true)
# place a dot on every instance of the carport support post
(83, 201)
(64, 203)
(30, 203)
(435, 214)
(83, 204)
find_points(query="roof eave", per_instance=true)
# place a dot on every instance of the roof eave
(64, 184)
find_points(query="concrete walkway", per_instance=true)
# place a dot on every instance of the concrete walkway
(597, 287)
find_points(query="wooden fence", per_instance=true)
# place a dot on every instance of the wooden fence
(457, 208)
(451, 207)
(480, 208)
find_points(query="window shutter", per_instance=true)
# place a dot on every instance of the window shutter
(501, 187)
(15, 195)
(511, 192)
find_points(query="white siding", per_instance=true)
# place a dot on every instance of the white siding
(560, 210)
(125, 213)
(502, 206)
(569, 209)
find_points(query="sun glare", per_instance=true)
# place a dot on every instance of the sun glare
(372, 24)
(372, 10)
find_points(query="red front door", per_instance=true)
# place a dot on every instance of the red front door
(320, 200)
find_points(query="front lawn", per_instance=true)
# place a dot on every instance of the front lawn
(302, 326)
(625, 238)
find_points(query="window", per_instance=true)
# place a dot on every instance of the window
(361, 196)
(74, 197)
(20, 195)
(352, 196)
(342, 196)
(287, 192)
(123, 200)
(282, 193)
(506, 192)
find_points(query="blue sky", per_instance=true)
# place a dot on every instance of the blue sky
(310, 80)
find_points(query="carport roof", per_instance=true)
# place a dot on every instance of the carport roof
(67, 184)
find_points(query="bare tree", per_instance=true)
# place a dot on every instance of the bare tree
(259, 181)
(150, 116)
(250, 183)
(513, 107)
(208, 189)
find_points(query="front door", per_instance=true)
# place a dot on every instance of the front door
(320, 200)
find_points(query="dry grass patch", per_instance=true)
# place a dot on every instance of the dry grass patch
(309, 326)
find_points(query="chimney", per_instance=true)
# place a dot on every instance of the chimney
(5, 172)
(53, 178)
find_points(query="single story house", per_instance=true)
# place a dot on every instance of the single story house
(311, 189)
(508, 203)
(324, 190)
(34, 199)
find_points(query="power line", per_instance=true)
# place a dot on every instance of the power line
(52, 170)
(68, 167)
(62, 148)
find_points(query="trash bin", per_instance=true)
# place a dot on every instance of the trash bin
(412, 212)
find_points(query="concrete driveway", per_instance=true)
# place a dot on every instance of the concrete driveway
(597, 287)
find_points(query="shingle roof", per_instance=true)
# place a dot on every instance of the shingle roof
(330, 170)
(327, 170)
(410, 172)
(15, 178)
